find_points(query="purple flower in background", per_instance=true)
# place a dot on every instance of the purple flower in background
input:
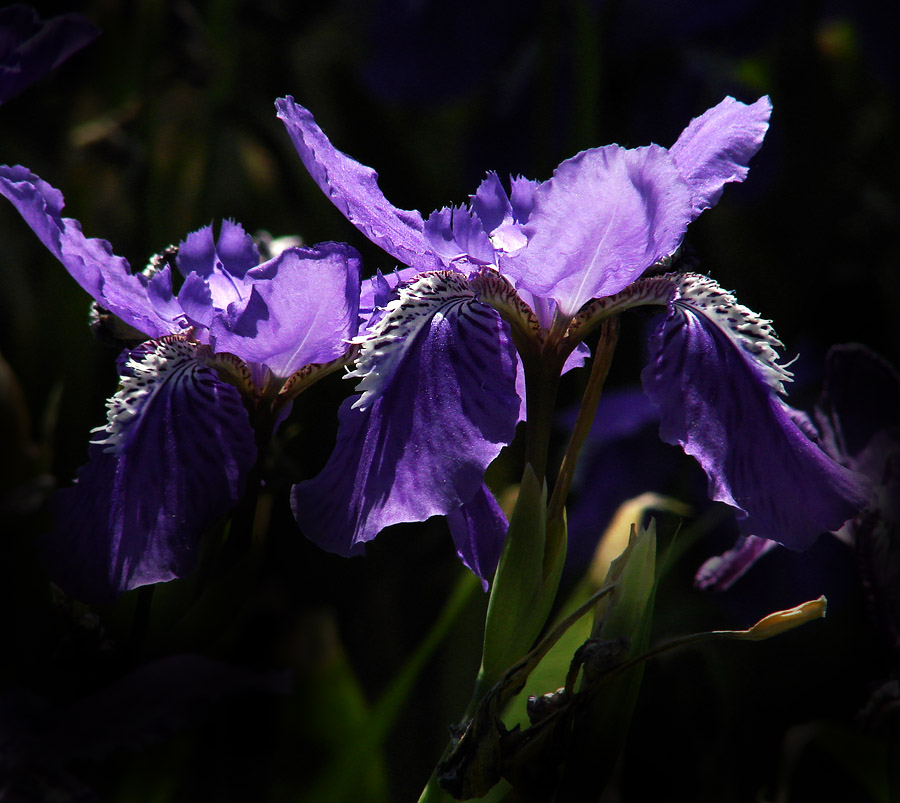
(857, 422)
(542, 265)
(30, 46)
(174, 454)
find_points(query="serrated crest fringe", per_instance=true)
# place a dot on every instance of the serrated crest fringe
(382, 348)
(746, 329)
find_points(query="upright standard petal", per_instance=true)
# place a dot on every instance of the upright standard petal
(353, 188)
(91, 262)
(714, 376)
(304, 309)
(717, 147)
(605, 217)
(439, 404)
(172, 459)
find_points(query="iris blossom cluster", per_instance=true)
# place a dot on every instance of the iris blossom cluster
(209, 372)
(517, 278)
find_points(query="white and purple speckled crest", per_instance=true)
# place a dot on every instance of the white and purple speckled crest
(439, 408)
(171, 460)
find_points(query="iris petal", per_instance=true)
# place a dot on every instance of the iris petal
(353, 188)
(174, 458)
(420, 443)
(304, 309)
(717, 147)
(479, 528)
(718, 401)
(605, 217)
(91, 262)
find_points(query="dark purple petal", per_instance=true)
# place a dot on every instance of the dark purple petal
(717, 147)
(479, 529)
(491, 203)
(31, 47)
(353, 188)
(713, 376)
(304, 309)
(721, 572)
(105, 276)
(173, 459)
(418, 441)
(605, 217)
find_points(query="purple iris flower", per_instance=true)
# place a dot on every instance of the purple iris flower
(219, 363)
(30, 46)
(539, 266)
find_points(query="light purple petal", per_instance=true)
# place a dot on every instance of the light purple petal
(420, 444)
(236, 249)
(479, 528)
(31, 47)
(172, 459)
(720, 403)
(105, 276)
(378, 291)
(195, 299)
(220, 266)
(605, 217)
(717, 147)
(304, 309)
(353, 189)
(721, 572)
(457, 234)
(502, 218)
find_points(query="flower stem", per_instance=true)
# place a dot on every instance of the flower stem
(609, 336)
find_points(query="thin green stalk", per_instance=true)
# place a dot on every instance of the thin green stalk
(606, 346)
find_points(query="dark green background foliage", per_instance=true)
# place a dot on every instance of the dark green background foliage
(167, 122)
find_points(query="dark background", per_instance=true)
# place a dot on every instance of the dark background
(167, 122)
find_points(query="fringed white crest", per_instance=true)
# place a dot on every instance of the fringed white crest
(747, 330)
(171, 358)
(405, 317)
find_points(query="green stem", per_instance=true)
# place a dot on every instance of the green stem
(609, 336)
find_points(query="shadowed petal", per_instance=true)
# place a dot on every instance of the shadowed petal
(31, 47)
(605, 217)
(173, 459)
(721, 572)
(353, 188)
(91, 262)
(717, 147)
(303, 309)
(479, 529)
(713, 376)
(438, 407)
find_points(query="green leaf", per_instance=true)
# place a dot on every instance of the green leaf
(600, 731)
(522, 594)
